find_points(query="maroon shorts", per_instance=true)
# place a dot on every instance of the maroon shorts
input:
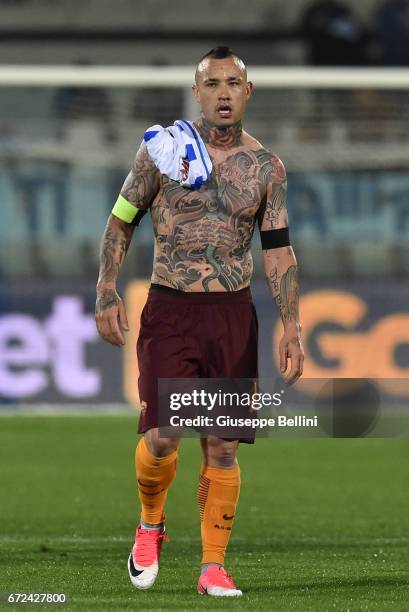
(194, 335)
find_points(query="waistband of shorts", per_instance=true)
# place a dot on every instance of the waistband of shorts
(161, 293)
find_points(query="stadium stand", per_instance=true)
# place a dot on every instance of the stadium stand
(345, 151)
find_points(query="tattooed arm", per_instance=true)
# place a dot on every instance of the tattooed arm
(140, 188)
(281, 271)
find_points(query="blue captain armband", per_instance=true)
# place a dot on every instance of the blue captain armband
(124, 210)
(275, 239)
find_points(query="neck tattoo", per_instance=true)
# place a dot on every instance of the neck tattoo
(220, 137)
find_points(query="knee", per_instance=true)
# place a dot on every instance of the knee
(160, 447)
(221, 453)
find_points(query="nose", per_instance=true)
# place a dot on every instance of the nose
(224, 93)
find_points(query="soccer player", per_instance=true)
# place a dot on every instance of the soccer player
(199, 319)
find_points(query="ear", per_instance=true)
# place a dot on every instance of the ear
(196, 93)
(249, 89)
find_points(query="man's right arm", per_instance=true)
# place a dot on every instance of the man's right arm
(139, 189)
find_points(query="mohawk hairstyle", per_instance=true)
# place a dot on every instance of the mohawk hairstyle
(220, 52)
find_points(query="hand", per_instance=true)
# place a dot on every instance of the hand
(110, 316)
(290, 348)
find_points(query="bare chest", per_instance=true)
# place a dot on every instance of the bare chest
(233, 192)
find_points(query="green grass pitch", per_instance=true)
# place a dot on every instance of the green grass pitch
(322, 524)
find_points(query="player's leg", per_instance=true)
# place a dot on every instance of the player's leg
(230, 349)
(163, 352)
(218, 494)
(155, 463)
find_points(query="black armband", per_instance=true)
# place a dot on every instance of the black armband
(274, 239)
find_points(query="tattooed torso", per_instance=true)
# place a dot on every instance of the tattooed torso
(202, 238)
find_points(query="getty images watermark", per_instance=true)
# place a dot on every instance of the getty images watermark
(227, 408)
(246, 408)
(215, 402)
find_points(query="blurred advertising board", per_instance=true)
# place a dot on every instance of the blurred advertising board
(50, 351)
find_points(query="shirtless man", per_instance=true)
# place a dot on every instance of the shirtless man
(199, 320)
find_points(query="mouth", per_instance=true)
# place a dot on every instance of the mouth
(224, 111)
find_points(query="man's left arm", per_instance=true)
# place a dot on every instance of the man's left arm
(281, 269)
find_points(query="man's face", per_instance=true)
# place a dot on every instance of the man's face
(222, 90)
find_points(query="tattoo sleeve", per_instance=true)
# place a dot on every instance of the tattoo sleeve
(140, 188)
(273, 212)
(114, 246)
(284, 286)
(282, 275)
(142, 183)
(280, 264)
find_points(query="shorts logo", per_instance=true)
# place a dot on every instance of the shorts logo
(144, 406)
